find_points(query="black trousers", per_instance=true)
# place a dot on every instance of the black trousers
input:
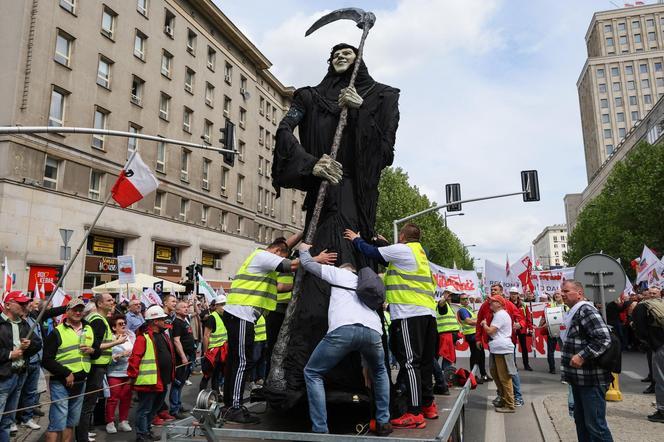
(476, 355)
(273, 323)
(413, 342)
(524, 349)
(239, 361)
(94, 382)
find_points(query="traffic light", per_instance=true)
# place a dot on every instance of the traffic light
(199, 271)
(228, 141)
(453, 193)
(190, 272)
(530, 185)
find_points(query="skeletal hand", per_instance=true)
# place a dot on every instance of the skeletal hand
(350, 98)
(328, 169)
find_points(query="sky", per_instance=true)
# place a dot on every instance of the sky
(488, 88)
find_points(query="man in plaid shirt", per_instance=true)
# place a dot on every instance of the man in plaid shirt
(585, 337)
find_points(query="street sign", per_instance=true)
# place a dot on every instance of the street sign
(603, 278)
(66, 234)
(65, 253)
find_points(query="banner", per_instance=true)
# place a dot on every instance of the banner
(496, 274)
(649, 268)
(150, 297)
(465, 281)
(126, 269)
(547, 281)
(205, 289)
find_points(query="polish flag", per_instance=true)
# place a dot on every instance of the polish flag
(134, 183)
(7, 284)
(523, 269)
(60, 298)
(40, 292)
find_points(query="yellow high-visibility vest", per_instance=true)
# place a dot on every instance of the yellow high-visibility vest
(465, 328)
(259, 330)
(147, 370)
(284, 278)
(254, 289)
(411, 288)
(69, 353)
(105, 356)
(447, 322)
(219, 335)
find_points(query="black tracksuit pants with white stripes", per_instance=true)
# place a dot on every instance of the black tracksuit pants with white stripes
(414, 342)
(239, 361)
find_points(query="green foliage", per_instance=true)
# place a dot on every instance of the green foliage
(399, 199)
(628, 213)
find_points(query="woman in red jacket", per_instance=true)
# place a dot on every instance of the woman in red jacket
(151, 369)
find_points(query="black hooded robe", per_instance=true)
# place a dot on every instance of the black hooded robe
(367, 147)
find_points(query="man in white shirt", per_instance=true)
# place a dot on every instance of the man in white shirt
(352, 326)
(501, 347)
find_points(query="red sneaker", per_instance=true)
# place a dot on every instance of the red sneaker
(166, 417)
(430, 412)
(157, 421)
(409, 420)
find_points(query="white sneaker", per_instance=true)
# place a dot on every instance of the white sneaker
(13, 428)
(91, 434)
(124, 426)
(110, 428)
(91, 437)
(187, 382)
(31, 425)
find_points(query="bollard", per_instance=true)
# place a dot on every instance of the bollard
(613, 394)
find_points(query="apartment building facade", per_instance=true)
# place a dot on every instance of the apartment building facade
(177, 69)
(550, 245)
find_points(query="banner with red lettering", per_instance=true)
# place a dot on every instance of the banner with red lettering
(465, 281)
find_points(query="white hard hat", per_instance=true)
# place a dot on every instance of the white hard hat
(155, 312)
(220, 299)
(451, 289)
(514, 289)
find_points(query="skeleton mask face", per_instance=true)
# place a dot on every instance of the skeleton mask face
(342, 59)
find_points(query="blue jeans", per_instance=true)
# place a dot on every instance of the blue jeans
(327, 354)
(516, 386)
(181, 376)
(10, 391)
(64, 414)
(590, 413)
(438, 374)
(29, 395)
(149, 404)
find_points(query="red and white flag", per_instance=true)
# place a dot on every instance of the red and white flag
(523, 269)
(648, 266)
(150, 297)
(60, 298)
(134, 183)
(7, 282)
(40, 291)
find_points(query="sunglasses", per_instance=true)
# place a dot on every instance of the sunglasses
(120, 323)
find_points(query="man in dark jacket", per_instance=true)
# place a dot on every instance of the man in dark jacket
(15, 352)
(651, 332)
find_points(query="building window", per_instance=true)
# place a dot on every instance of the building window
(206, 174)
(274, 115)
(68, 5)
(659, 81)
(184, 165)
(137, 85)
(260, 165)
(139, 45)
(63, 43)
(104, 72)
(243, 118)
(164, 106)
(224, 180)
(132, 143)
(293, 216)
(56, 115)
(615, 72)
(650, 23)
(108, 18)
(609, 41)
(629, 69)
(260, 234)
(658, 67)
(189, 76)
(223, 220)
(51, 173)
(261, 105)
(621, 132)
(267, 168)
(600, 73)
(607, 133)
(204, 214)
(207, 131)
(652, 36)
(100, 119)
(267, 139)
(608, 29)
(94, 192)
(605, 118)
(240, 225)
(158, 201)
(631, 85)
(632, 100)
(166, 254)
(261, 135)
(209, 94)
(609, 149)
(240, 185)
(227, 107)
(211, 58)
(161, 157)
(187, 116)
(268, 110)
(243, 85)
(241, 147)
(169, 23)
(622, 39)
(602, 88)
(622, 26)
(637, 38)
(645, 84)
(643, 68)
(191, 42)
(635, 116)
(184, 208)
(228, 73)
(603, 103)
(259, 207)
(142, 7)
(620, 117)
(636, 24)
(647, 99)
(266, 201)
(616, 87)
(166, 64)
(619, 101)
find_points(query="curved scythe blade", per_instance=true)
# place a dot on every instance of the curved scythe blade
(359, 16)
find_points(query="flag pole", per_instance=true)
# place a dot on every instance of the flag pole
(69, 264)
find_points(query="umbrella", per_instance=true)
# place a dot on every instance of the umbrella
(142, 280)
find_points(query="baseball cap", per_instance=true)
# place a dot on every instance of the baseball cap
(17, 296)
(498, 299)
(76, 302)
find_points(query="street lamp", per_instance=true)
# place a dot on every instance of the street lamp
(470, 245)
(445, 216)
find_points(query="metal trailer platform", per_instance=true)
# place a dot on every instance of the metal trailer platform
(448, 427)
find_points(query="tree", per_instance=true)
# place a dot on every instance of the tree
(398, 199)
(628, 213)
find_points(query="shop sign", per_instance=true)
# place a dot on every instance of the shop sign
(161, 270)
(163, 253)
(46, 275)
(103, 244)
(208, 259)
(101, 264)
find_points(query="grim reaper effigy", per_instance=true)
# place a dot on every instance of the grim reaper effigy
(366, 147)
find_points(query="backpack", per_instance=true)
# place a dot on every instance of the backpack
(655, 309)
(370, 288)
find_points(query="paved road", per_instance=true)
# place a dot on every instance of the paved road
(483, 424)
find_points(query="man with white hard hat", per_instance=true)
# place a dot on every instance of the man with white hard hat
(151, 369)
